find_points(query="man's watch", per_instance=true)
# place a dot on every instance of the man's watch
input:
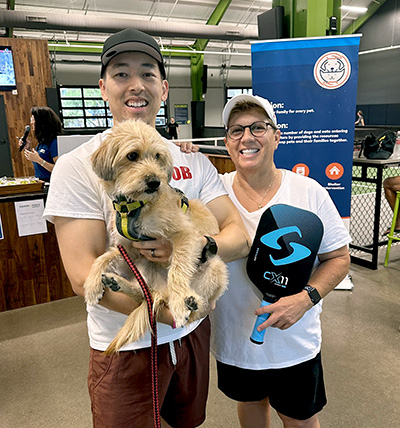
(313, 294)
(209, 250)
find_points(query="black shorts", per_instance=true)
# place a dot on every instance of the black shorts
(297, 392)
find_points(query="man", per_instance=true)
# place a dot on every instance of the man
(133, 83)
(173, 129)
(285, 372)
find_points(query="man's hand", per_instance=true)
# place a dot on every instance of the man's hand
(159, 250)
(188, 147)
(164, 316)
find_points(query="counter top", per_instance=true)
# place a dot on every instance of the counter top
(364, 161)
(42, 194)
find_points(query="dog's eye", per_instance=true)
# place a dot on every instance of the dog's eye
(132, 156)
(157, 156)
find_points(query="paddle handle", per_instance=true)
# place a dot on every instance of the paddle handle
(257, 337)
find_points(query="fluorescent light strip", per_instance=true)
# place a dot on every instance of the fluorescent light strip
(354, 9)
(205, 52)
(379, 50)
(63, 45)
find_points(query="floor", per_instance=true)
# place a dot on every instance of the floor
(44, 357)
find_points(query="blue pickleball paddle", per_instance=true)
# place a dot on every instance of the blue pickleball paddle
(282, 256)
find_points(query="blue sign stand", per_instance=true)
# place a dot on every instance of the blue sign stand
(312, 84)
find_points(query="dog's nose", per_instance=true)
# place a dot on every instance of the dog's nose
(153, 183)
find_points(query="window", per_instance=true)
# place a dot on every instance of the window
(232, 92)
(161, 119)
(83, 107)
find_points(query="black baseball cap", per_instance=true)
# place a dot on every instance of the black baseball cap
(131, 40)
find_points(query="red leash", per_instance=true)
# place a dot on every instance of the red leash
(153, 324)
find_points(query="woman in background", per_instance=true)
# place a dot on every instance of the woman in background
(360, 119)
(46, 126)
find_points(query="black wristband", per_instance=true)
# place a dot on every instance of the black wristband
(209, 250)
(313, 294)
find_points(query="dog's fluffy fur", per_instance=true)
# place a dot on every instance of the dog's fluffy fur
(135, 162)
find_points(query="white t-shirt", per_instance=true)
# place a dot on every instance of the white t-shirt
(233, 319)
(75, 191)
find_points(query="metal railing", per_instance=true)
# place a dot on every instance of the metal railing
(198, 141)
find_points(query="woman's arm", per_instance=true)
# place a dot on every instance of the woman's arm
(333, 267)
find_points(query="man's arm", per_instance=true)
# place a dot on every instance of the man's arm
(333, 267)
(81, 241)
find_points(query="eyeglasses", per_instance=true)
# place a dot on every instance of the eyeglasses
(258, 129)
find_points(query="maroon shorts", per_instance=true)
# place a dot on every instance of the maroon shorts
(120, 384)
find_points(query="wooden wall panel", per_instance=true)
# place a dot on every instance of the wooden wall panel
(31, 269)
(223, 163)
(33, 76)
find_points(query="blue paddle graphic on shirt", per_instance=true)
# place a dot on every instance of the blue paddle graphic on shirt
(282, 256)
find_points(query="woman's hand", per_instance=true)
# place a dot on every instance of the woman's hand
(286, 311)
(33, 156)
(27, 144)
(159, 250)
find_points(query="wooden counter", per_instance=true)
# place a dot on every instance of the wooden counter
(31, 270)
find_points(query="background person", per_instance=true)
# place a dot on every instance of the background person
(45, 125)
(133, 83)
(173, 129)
(286, 371)
(360, 119)
(391, 185)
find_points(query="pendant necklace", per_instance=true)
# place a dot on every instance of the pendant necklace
(260, 204)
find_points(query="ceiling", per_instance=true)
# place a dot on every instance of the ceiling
(241, 15)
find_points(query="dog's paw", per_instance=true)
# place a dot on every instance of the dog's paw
(191, 303)
(180, 311)
(110, 282)
(94, 296)
(183, 309)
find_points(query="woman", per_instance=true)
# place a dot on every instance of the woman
(360, 119)
(46, 126)
(286, 371)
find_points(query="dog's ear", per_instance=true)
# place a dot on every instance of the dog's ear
(102, 160)
(169, 166)
(170, 171)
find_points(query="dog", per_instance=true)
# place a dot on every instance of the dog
(135, 167)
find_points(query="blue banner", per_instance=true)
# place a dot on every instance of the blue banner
(312, 84)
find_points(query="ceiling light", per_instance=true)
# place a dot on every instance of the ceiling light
(354, 9)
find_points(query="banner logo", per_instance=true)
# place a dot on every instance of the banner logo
(332, 70)
(300, 252)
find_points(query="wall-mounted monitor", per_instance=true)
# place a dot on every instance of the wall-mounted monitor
(7, 73)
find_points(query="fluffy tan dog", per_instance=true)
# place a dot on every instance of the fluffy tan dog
(135, 167)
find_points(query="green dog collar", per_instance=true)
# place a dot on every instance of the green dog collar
(128, 212)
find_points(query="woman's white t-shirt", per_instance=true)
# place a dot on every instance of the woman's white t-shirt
(233, 319)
